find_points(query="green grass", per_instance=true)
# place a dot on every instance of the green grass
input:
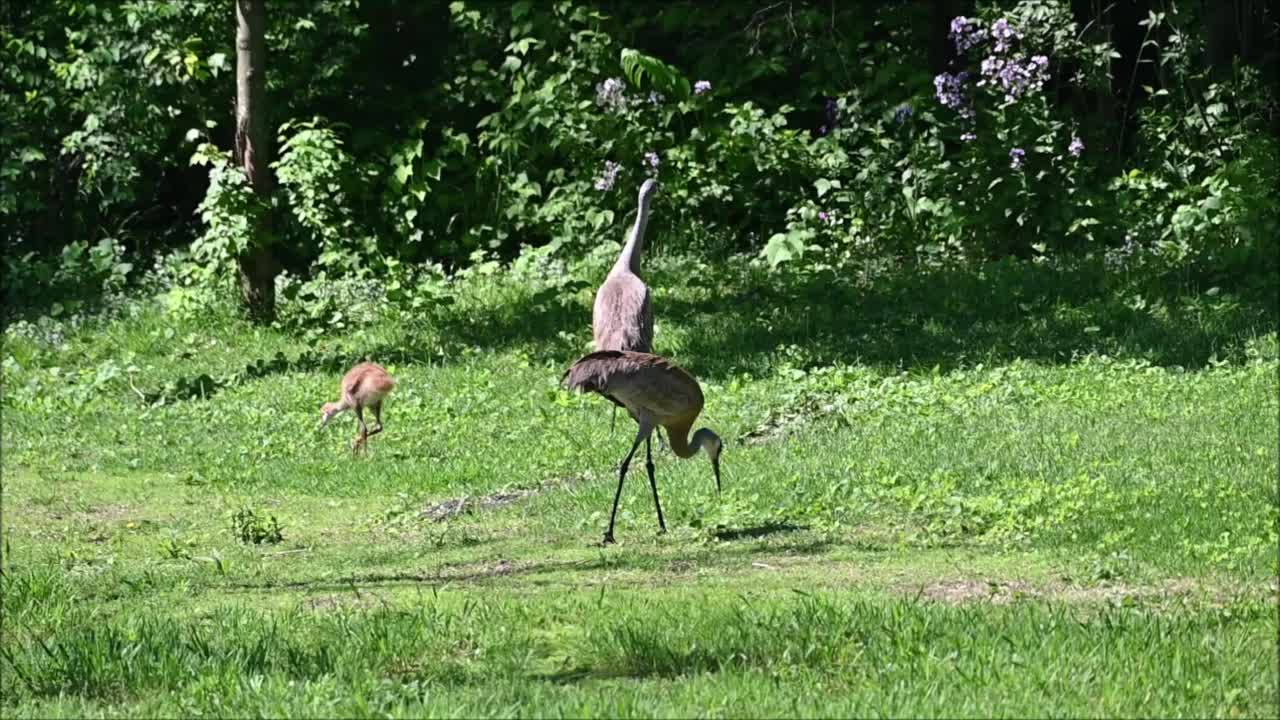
(936, 504)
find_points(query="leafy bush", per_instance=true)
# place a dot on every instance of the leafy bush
(80, 274)
(251, 528)
(821, 138)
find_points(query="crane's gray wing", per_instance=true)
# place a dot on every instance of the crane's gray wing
(645, 343)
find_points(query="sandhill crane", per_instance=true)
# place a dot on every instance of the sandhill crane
(657, 393)
(622, 317)
(364, 386)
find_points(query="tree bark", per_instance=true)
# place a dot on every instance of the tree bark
(257, 266)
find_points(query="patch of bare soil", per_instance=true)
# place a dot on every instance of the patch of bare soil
(349, 600)
(957, 592)
(102, 514)
(967, 590)
(446, 509)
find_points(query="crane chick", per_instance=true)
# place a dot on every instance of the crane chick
(364, 386)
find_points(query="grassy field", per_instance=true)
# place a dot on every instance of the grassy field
(1011, 495)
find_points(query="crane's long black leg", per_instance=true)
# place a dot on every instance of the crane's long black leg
(377, 418)
(622, 473)
(653, 484)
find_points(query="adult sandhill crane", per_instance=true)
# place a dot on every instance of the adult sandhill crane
(622, 317)
(364, 386)
(657, 393)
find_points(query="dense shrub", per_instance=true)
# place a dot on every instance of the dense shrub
(826, 140)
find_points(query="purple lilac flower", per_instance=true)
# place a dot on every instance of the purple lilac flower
(902, 114)
(610, 95)
(822, 131)
(950, 92)
(1004, 34)
(1016, 156)
(1076, 147)
(822, 216)
(1016, 77)
(966, 33)
(605, 182)
(827, 217)
(653, 161)
(968, 137)
(700, 87)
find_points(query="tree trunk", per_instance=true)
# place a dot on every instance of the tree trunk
(257, 266)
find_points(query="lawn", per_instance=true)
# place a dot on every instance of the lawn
(1011, 495)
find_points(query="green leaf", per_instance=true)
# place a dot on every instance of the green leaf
(777, 250)
(638, 66)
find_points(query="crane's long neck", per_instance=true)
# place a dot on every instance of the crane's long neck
(629, 258)
(680, 441)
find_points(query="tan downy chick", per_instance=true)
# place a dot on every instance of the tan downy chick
(657, 393)
(364, 386)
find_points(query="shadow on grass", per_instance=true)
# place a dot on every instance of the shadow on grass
(742, 319)
(745, 319)
(607, 560)
(759, 531)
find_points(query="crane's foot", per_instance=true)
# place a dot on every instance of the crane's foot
(608, 539)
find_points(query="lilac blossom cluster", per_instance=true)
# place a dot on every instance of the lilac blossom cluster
(1004, 36)
(966, 33)
(611, 96)
(605, 182)
(701, 87)
(1015, 76)
(950, 92)
(1003, 68)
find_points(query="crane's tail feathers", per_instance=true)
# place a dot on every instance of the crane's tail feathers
(590, 373)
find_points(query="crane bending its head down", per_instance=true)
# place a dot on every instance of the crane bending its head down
(364, 386)
(657, 393)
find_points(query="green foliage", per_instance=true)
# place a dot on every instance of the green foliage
(1203, 200)
(81, 273)
(439, 134)
(639, 67)
(249, 527)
